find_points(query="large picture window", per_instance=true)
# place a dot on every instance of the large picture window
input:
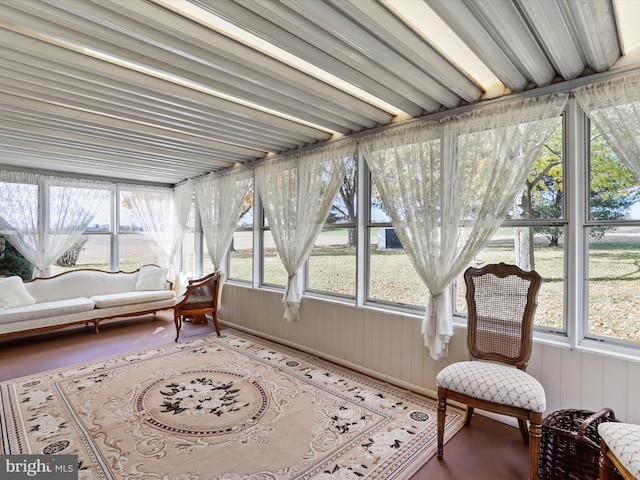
(93, 248)
(331, 265)
(135, 247)
(392, 277)
(613, 233)
(533, 235)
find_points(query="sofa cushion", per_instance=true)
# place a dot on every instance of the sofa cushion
(131, 298)
(151, 278)
(46, 309)
(14, 294)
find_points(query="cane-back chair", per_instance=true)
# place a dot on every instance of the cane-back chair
(200, 298)
(501, 302)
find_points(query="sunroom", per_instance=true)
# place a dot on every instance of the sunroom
(343, 163)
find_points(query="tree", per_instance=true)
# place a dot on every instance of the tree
(70, 257)
(344, 210)
(13, 263)
(247, 206)
(614, 190)
(247, 211)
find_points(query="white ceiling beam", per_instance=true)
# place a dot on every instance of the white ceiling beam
(462, 20)
(550, 24)
(123, 146)
(44, 109)
(29, 46)
(64, 166)
(595, 27)
(256, 68)
(47, 76)
(126, 109)
(155, 51)
(507, 27)
(314, 34)
(296, 40)
(360, 39)
(406, 43)
(22, 154)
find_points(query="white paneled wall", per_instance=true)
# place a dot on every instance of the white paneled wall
(390, 347)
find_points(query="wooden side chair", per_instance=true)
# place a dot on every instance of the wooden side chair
(501, 302)
(619, 450)
(202, 297)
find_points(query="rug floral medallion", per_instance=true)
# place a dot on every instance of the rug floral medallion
(229, 407)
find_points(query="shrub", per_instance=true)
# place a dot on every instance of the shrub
(13, 263)
(70, 257)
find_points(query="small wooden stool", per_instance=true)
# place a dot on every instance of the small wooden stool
(619, 450)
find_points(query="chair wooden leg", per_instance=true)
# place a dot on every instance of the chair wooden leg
(469, 416)
(606, 466)
(177, 319)
(442, 414)
(535, 435)
(524, 430)
(214, 316)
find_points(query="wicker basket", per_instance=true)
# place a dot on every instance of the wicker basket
(570, 445)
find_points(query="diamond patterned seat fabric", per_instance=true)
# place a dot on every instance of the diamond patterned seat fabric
(623, 440)
(495, 383)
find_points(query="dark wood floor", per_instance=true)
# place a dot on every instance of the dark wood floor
(486, 450)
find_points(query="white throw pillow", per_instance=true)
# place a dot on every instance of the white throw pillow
(14, 294)
(151, 278)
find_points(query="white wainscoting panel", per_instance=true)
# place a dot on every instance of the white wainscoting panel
(390, 347)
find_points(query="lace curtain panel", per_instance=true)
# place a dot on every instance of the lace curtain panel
(297, 194)
(448, 185)
(43, 232)
(220, 200)
(163, 214)
(614, 107)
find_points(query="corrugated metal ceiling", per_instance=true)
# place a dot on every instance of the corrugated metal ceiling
(160, 91)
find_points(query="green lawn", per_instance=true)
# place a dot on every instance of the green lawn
(613, 286)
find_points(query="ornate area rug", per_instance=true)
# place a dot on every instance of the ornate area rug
(230, 407)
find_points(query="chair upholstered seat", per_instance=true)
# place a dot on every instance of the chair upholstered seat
(494, 383)
(623, 441)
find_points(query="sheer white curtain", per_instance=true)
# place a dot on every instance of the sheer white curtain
(448, 185)
(163, 214)
(43, 216)
(614, 107)
(220, 200)
(297, 193)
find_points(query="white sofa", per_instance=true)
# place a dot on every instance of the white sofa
(81, 296)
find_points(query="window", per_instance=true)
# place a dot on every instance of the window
(135, 247)
(93, 248)
(188, 267)
(392, 277)
(533, 234)
(274, 273)
(16, 194)
(241, 254)
(613, 233)
(331, 265)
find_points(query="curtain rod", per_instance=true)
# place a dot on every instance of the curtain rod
(560, 87)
